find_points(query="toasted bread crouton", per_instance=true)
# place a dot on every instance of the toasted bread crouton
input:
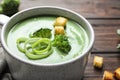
(60, 21)
(107, 75)
(117, 73)
(98, 61)
(59, 30)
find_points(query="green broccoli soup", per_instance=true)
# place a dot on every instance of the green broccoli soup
(47, 39)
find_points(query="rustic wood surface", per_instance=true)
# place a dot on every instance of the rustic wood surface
(104, 15)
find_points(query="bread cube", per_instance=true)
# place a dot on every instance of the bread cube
(59, 30)
(107, 75)
(98, 61)
(117, 73)
(60, 21)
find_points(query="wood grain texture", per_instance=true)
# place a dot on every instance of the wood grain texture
(87, 8)
(106, 37)
(111, 62)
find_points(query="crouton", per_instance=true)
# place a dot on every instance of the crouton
(59, 30)
(60, 21)
(98, 61)
(117, 73)
(107, 75)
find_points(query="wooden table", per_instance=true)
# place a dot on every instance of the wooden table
(104, 15)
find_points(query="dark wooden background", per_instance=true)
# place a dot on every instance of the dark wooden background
(104, 15)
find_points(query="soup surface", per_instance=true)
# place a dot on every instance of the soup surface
(77, 37)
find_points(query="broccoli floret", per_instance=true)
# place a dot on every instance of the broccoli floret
(42, 33)
(61, 43)
(1, 10)
(10, 7)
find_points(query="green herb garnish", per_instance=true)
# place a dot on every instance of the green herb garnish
(19, 42)
(9, 7)
(42, 33)
(35, 48)
(62, 43)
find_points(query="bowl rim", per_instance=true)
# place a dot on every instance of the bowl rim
(4, 45)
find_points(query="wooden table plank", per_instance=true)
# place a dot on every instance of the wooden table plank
(93, 78)
(106, 38)
(104, 22)
(111, 62)
(88, 8)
